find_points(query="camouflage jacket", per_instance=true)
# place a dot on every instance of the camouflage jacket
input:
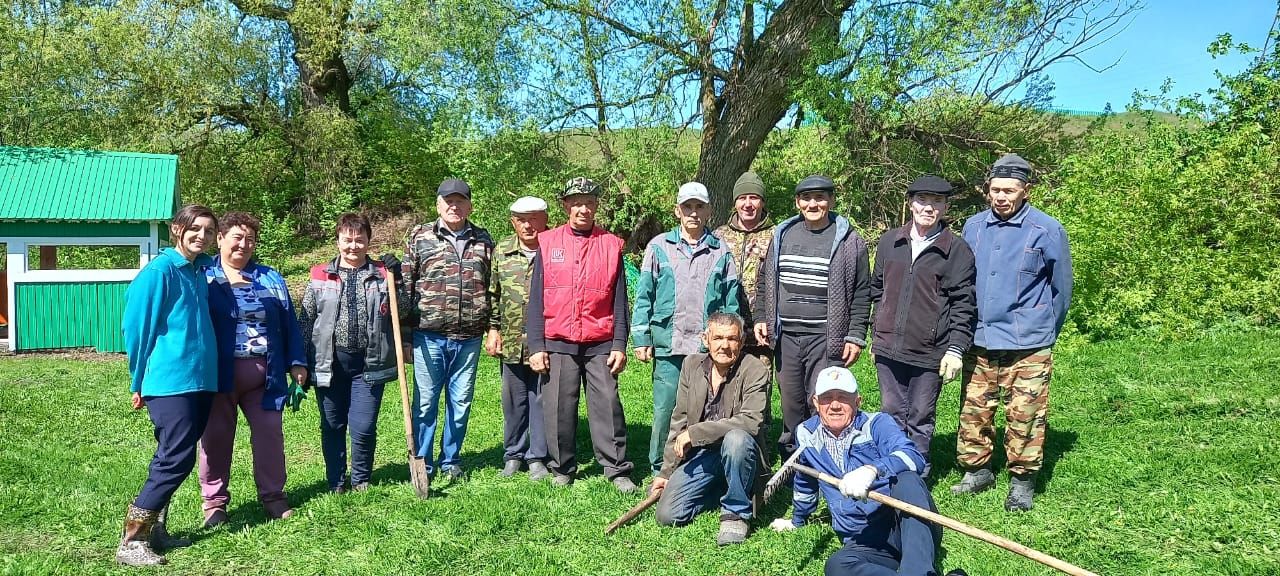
(509, 292)
(448, 293)
(749, 248)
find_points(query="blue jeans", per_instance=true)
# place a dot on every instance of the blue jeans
(723, 473)
(448, 365)
(348, 402)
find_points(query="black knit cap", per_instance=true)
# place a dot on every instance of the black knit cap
(1011, 166)
(930, 184)
(817, 182)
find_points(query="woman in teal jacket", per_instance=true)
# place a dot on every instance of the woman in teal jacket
(173, 366)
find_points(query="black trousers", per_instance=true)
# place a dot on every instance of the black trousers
(799, 358)
(179, 422)
(569, 374)
(522, 414)
(893, 542)
(910, 394)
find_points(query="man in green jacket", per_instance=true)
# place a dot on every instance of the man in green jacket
(687, 274)
(523, 439)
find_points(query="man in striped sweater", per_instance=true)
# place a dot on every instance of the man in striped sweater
(813, 299)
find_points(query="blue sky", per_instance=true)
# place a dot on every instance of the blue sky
(1167, 39)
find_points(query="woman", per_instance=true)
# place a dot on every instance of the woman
(173, 365)
(259, 346)
(350, 348)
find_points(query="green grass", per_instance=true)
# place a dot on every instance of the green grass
(1162, 460)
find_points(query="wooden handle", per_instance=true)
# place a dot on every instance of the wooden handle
(395, 333)
(958, 526)
(635, 511)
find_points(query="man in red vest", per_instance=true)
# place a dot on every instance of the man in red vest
(577, 327)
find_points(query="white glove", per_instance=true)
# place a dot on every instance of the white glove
(782, 525)
(855, 484)
(949, 367)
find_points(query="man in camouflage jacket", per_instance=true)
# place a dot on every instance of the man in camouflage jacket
(747, 236)
(447, 267)
(523, 439)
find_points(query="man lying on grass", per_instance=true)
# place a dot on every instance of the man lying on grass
(867, 452)
(713, 450)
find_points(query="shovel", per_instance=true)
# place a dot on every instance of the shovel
(417, 465)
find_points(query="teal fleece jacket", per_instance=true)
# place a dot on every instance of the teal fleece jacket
(168, 334)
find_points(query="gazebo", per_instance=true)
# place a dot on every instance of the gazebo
(53, 197)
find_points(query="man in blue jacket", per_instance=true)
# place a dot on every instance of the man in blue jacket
(1023, 291)
(868, 452)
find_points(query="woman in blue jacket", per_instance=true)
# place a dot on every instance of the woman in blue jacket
(259, 346)
(172, 364)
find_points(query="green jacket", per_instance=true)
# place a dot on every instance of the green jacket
(679, 287)
(509, 292)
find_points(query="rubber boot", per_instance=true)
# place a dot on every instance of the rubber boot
(160, 537)
(1021, 492)
(135, 542)
(975, 481)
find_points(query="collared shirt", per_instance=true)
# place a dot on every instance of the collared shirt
(459, 238)
(919, 244)
(837, 445)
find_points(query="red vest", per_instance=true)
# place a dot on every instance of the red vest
(578, 276)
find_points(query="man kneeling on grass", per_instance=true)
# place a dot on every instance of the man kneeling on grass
(713, 449)
(868, 452)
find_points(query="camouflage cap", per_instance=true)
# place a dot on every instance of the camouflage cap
(579, 185)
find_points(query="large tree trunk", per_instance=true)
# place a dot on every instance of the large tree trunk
(758, 93)
(323, 83)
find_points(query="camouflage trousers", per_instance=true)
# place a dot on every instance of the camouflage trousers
(1018, 380)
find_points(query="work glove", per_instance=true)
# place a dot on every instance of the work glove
(393, 265)
(855, 484)
(296, 395)
(782, 525)
(949, 367)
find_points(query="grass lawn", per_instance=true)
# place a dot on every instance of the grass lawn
(1162, 459)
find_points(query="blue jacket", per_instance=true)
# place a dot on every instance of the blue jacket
(167, 333)
(284, 337)
(877, 441)
(1024, 278)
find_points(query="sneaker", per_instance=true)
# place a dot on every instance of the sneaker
(511, 468)
(1021, 492)
(975, 481)
(360, 487)
(215, 518)
(732, 531)
(538, 471)
(562, 480)
(452, 474)
(624, 484)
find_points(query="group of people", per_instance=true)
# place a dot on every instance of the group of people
(719, 313)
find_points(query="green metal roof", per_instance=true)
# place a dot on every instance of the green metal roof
(53, 184)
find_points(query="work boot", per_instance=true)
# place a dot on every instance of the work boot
(975, 481)
(1021, 491)
(733, 530)
(510, 469)
(538, 471)
(135, 541)
(214, 518)
(160, 538)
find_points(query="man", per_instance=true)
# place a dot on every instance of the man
(447, 265)
(577, 323)
(1023, 292)
(686, 275)
(868, 452)
(747, 236)
(813, 299)
(522, 437)
(717, 433)
(922, 287)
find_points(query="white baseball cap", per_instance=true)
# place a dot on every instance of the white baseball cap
(692, 191)
(835, 378)
(528, 205)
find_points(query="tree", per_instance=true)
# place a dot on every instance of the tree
(742, 65)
